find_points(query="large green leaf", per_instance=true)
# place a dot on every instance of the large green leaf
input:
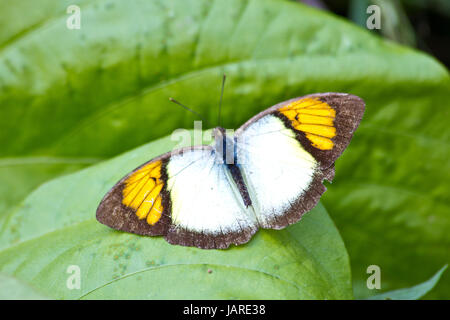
(98, 91)
(56, 228)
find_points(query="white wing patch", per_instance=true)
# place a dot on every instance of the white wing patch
(203, 197)
(276, 168)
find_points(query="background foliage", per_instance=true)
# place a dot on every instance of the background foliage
(71, 98)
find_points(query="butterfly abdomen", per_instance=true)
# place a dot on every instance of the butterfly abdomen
(239, 180)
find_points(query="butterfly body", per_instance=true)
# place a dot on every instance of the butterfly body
(225, 149)
(266, 174)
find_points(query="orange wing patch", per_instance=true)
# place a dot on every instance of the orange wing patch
(142, 192)
(315, 118)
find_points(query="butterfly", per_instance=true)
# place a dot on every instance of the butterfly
(265, 175)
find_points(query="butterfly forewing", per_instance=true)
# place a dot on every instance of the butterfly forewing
(140, 202)
(287, 151)
(186, 195)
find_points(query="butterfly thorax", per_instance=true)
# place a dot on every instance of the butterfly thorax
(224, 146)
(226, 154)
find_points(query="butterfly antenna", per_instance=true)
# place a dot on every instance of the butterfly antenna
(221, 97)
(188, 109)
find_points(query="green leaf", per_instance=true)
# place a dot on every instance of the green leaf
(93, 93)
(13, 289)
(412, 293)
(390, 195)
(21, 175)
(56, 227)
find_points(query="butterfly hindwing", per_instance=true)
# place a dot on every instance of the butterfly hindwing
(207, 211)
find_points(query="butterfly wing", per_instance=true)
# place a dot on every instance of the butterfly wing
(186, 195)
(287, 151)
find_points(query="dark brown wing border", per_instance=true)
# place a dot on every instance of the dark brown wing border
(349, 111)
(113, 213)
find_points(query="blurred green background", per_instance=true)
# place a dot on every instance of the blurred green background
(70, 99)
